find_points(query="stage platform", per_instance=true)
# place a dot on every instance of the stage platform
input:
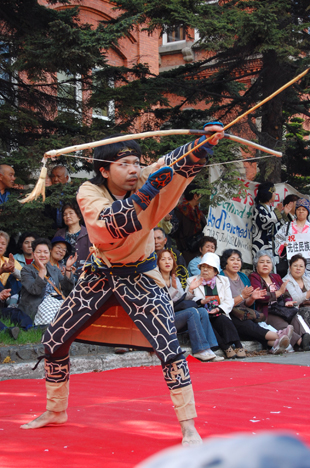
(118, 418)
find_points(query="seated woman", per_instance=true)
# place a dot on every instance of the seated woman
(10, 270)
(201, 334)
(276, 294)
(41, 279)
(298, 286)
(60, 249)
(75, 234)
(213, 292)
(299, 225)
(244, 297)
(207, 244)
(24, 246)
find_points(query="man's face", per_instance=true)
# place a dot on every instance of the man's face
(160, 240)
(59, 176)
(8, 176)
(122, 176)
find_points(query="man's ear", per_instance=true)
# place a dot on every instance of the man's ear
(165, 241)
(104, 172)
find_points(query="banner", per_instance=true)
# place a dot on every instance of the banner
(298, 243)
(230, 222)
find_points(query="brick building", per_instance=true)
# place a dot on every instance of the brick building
(160, 53)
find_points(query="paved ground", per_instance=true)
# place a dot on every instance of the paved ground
(17, 362)
(297, 359)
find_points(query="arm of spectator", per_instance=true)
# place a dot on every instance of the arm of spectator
(296, 293)
(280, 239)
(33, 284)
(256, 282)
(256, 294)
(5, 294)
(69, 265)
(245, 294)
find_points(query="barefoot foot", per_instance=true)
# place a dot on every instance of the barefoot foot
(190, 434)
(49, 417)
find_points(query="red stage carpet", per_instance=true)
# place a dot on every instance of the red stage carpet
(120, 417)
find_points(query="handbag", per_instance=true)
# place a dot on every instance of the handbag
(49, 306)
(282, 266)
(280, 310)
(47, 310)
(182, 304)
(247, 314)
(192, 242)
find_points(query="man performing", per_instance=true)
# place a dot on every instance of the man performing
(121, 206)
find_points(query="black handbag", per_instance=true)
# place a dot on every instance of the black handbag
(280, 310)
(182, 304)
(282, 266)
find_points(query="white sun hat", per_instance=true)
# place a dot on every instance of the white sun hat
(210, 259)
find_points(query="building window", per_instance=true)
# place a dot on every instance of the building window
(69, 92)
(107, 111)
(176, 34)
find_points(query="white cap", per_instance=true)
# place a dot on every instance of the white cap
(210, 259)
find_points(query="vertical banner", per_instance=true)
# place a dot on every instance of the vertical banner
(230, 222)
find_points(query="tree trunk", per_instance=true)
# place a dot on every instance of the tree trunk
(272, 116)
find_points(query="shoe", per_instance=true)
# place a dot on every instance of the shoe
(240, 353)
(230, 353)
(217, 359)
(290, 349)
(305, 343)
(206, 355)
(280, 345)
(121, 350)
(288, 331)
(14, 332)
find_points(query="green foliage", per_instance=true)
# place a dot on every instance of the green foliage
(16, 218)
(266, 43)
(296, 168)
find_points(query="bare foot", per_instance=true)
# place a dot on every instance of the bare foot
(190, 434)
(49, 417)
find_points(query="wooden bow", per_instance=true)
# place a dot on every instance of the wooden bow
(40, 186)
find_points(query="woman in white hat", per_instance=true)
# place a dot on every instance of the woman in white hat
(213, 292)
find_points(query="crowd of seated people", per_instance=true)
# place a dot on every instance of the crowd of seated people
(42, 272)
(259, 307)
(213, 300)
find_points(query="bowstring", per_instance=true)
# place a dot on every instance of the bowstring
(253, 159)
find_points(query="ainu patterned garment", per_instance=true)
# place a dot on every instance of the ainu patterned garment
(265, 225)
(144, 300)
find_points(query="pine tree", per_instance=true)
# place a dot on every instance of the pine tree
(264, 42)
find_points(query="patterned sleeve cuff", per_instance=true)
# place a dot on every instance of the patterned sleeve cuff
(185, 167)
(121, 219)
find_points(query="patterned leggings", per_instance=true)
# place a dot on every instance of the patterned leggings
(144, 301)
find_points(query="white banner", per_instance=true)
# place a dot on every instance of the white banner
(298, 243)
(230, 222)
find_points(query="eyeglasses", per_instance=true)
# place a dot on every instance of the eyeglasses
(125, 165)
(60, 249)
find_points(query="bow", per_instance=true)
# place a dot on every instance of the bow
(40, 186)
